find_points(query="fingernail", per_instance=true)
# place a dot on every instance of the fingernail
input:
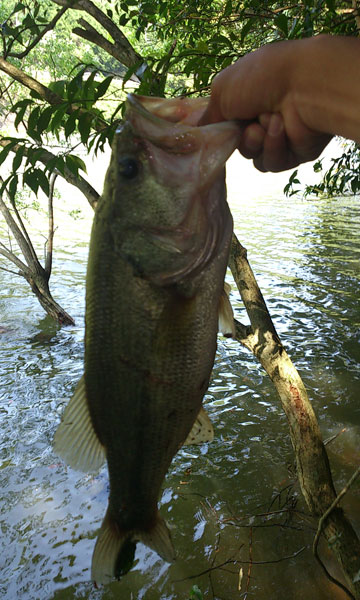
(276, 125)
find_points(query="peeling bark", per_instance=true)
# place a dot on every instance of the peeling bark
(312, 462)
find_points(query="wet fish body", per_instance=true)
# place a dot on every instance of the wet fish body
(158, 255)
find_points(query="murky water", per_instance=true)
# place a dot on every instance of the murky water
(238, 521)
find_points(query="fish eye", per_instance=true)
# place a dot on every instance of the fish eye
(128, 168)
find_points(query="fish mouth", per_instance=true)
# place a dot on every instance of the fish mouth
(195, 159)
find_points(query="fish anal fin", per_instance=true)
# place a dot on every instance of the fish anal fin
(202, 431)
(75, 439)
(114, 550)
(226, 315)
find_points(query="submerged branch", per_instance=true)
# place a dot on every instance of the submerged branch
(27, 249)
(14, 259)
(312, 462)
(50, 240)
(321, 523)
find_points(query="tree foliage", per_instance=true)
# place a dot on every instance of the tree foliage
(64, 66)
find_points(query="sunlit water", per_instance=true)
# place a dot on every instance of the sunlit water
(237, 517)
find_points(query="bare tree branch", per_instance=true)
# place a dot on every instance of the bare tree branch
(320, 527)
(312, 462)
(47, 94)
(14, 259)
(78, 181)
(129, 56)
(26, 249)
(50, 240)
(89, 33)
(36, 40)
(29, 82)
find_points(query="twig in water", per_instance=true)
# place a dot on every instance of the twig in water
(320, 526)
(333, 437)
(250, 565)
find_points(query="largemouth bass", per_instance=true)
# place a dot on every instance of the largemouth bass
(158, 255)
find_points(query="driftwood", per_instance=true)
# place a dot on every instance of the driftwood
(313, 468)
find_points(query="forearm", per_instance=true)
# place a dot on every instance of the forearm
(324, 87)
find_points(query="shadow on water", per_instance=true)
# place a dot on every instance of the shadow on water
(237, 517)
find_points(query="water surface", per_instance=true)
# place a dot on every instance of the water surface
(237, 517)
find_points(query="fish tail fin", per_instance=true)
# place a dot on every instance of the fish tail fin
(159, 539)
(115, 550)
(226, 315)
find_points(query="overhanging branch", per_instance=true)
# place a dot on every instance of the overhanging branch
(78, 181)
(47, 28)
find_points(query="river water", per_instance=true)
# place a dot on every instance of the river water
(238, 521)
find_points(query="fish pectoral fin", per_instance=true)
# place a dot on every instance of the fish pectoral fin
(226, 315)
(202, 431)
(159, 539)
(75, 439)
(114, 551)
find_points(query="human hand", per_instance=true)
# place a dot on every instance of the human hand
(267, 90)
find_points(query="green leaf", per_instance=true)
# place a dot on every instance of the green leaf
(73, 89)
(70, 124)
(330, 4)
(19, 6)
(58, 87)
(43, 182)
(32, 123)
(222, 40)
(131, 72)
(281, 21)
(58, 117)
(5, 151)
(60, 164)
(34, 154)
(84, 126)
(123, 20)
(31, 180)
(196, 593)
(103, 87)
(4, 184)
(89, 89)
(74, 163)
(246, 29)
(21, 112)
(13, 187)
(18, 158)
(36, 95)
(355, 185)
(44, 119)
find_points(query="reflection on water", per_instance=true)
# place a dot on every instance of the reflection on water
(238, 520)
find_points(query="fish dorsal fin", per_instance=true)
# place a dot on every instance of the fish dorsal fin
(75, 439)
(226, 315)
(202, 431)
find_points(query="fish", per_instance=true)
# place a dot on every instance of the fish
(155, 281)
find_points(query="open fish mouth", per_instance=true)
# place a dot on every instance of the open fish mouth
(191, 157)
